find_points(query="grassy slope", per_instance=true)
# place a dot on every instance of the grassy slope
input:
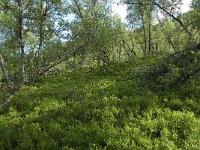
(88, 109)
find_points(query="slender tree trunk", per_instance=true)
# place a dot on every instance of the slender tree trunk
(43, 15)
(105, 59)
(156, 47)
(5, 72)
(132, 56)
(133, 52)
(9, 84)
(144, 32)
(150, 35)
(21, 42)
(40, 37)
(4, 69)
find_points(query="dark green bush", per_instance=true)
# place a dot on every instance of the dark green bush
(174, 70)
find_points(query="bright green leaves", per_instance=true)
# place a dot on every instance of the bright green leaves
(94, 30)
(86, 109)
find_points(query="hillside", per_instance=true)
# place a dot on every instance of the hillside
(90, 109)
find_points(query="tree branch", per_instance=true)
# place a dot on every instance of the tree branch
(163, 9)
(172, 16)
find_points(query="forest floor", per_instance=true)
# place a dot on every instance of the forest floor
(90, 109)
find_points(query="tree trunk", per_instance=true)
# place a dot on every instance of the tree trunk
(21, 42)
(40, 38)
(132, 56)
(105, 59)
(132, 49)
(150, 35)
(144, 32)
(5, 72)
(43, 15)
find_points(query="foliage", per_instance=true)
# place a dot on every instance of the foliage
(91, 109)
(72, 75)
(175, 69)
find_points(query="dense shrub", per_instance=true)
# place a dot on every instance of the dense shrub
(175, 69)
(89, 109)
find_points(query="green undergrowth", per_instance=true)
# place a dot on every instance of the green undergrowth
(90, 109)
(175, 70)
